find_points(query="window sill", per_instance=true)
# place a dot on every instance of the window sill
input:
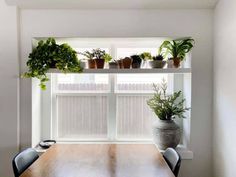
(183, 151)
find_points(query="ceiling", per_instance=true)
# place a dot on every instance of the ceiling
(115, 4)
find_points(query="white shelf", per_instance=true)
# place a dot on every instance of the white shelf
(130, 71)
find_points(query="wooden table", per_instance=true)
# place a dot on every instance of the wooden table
(100, 160)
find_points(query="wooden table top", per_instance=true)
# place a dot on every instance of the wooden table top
(100, 160)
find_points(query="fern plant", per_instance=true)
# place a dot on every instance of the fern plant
(165, 106)
(177, 48)
(48, 55)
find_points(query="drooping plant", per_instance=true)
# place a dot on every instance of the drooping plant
(48, 54)
(177, 48)
(89, 55)
(167, 106)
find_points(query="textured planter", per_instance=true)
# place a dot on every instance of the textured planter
(100, 63)
(166, 133)
(170, 63)
(91, 64)
(157, 64)
(113, 65)
(127, 62)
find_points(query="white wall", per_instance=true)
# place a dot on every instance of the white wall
(224, 118)
(134, 23)
(8, 87)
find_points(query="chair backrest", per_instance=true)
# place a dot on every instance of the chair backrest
(23, 160)
(173, 159)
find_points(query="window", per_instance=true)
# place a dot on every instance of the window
(107, 107)
(102, 107)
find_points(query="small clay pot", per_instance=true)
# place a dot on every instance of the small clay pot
(91, 64)
(127, 62)
(100, 63)
(176, 62)
(120, 64)
(113, 65)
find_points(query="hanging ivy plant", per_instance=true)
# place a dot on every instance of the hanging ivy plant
(48, 54)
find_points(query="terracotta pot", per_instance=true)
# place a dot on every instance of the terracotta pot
(176, 62)
(127, 62)
(91, 64)
(113, 65)
(166, 133)
(120, 64)
(157, 64)
(100, 63)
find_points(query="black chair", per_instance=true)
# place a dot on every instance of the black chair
(23, 160)
(173, 160)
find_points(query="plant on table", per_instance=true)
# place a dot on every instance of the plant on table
(176, 49)
(48, 54)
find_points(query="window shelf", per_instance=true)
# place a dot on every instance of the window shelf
(130, 71)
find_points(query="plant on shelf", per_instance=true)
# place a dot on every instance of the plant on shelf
(113, 64)
(99, 56)
(167, 107)
(136, 61)
(90, 57)
(48, 54)
(146, 56)
(157, 62)
(176, 49)
(107, 57)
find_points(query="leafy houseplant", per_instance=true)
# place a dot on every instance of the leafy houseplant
(99, 56)
(136, 61)
(91, 61)
(48, 55)
(157, 62)
(167, 107)
(176, 49)
(146, 56)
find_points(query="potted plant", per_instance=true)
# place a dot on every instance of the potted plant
(48, 55)
(113, 64)
(126, 63)
(136, 61)
(99, 56)
(157, 62)
(176, 49)
(145, 56)
(166, 133)
(90, 57)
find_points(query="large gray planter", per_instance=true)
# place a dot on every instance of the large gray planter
(166, 133)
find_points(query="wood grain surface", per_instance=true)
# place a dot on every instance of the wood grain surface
(100, 160)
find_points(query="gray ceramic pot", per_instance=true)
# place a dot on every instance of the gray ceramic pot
(157, 64)
(166, 133)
